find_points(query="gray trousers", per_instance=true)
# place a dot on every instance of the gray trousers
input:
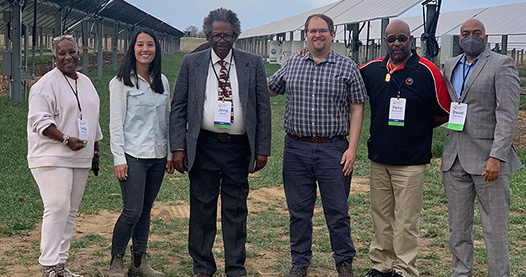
(494, 207)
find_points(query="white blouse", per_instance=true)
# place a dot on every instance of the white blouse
(138, 120)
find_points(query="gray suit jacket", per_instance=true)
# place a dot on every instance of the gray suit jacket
(492, 96)
(189, 96)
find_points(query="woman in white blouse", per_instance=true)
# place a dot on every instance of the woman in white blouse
(139, 111)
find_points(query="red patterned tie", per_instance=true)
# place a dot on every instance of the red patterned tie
(224, 88)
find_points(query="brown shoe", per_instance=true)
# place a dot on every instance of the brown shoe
(117, 266)
(344, 269)
(144, 270)
(297, 272)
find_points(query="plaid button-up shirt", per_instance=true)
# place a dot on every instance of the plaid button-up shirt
(318, 95)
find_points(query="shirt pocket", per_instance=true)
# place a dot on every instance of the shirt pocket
(138, 98)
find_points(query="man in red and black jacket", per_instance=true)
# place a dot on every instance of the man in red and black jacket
(408, 98)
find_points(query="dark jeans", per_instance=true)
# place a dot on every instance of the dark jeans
(138, 193)
(304, 164)
(219, 167)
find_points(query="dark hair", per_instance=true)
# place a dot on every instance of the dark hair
(224, 15)
(330, 23)
(129, 64)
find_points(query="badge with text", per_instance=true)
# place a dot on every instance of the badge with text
(457, 116)
(222, 114)
(83, 129)
(397, 112)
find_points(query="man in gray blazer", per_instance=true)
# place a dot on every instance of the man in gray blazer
(478, 155)
(219, 132)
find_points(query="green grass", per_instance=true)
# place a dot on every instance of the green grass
(267, 241)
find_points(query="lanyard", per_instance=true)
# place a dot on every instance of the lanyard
(401, 84)
(465, 74)
(76, 93)
(221, 84)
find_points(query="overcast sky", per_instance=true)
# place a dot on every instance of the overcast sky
(254, 13)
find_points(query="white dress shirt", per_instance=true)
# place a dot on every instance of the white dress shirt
(211, 97)
(138, 120)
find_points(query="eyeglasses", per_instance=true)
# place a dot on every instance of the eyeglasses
(225, 37)
(321, 31)
(62, 37)
(401, 38)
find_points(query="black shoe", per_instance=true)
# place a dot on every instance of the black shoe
(344, 269)
(396, 274)
(376, 273)
(297, 272)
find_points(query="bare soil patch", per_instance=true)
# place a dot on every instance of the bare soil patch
(21, 252)
(519, 140)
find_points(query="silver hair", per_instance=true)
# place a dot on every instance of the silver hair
(224, 15)
(60, 38)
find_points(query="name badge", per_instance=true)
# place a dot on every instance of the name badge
(457, 116)
(397, 112)
(83, 129)
(222, 114)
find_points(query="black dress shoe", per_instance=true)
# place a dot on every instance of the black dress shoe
(376, 273)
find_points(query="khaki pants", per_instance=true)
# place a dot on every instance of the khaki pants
(396, 204)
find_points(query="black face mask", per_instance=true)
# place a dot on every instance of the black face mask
(473, 46)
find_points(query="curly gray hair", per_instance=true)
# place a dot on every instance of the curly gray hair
(225, 15)
(58, 39)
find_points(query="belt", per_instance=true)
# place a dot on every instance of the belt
(317, 139)
(224, 137)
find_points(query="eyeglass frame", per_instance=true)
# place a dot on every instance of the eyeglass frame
(219, 37)
(400, 38)
(320, 31)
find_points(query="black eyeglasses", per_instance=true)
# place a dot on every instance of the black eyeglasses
(226, 37)
(401, 38)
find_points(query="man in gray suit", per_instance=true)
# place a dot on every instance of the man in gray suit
(478, 155)
(219, 132)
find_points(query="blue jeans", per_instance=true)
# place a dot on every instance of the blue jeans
(304, 165)
(138, 193)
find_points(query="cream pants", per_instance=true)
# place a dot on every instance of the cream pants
(61, 190)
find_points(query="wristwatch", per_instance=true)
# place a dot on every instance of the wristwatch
(65, 140)
(97, 153)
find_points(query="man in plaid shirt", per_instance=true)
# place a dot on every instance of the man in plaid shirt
(322, 88)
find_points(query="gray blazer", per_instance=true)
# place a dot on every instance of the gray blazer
(189, 95)
(492, 96)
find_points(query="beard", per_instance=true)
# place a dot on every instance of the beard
(399, 57)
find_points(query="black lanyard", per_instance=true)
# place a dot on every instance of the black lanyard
(465, 74)
(75, 92)
(401, 84)
(221, 85)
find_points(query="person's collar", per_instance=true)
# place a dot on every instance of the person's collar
(331, 58)
(410, 63)
(464, 61)
(138, 77)
(216, 58)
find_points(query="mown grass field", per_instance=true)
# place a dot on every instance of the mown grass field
(267, 246)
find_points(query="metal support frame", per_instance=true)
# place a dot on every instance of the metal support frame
(385, 22)
(41, 44)
(85, 47)
(504, 48)
(114, 41)
(100, 51)
(126, 37)
(15, 84)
